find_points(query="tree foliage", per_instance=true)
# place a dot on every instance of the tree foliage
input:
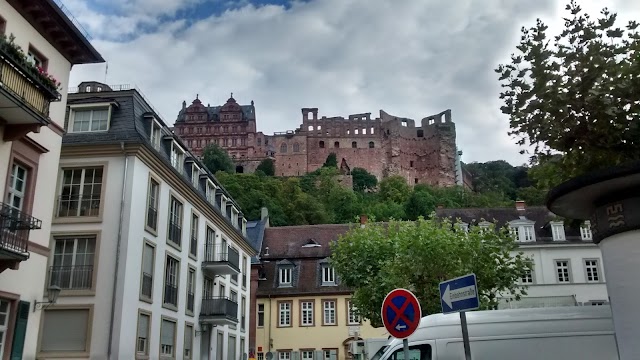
(331, 161)
(419, 255)
(576, 94)
(267, 166)
(363, 180)
(216, 159)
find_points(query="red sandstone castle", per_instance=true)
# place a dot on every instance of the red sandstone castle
(385, 146)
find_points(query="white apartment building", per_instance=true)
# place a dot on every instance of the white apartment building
(567, 265)
(149, 251)
(39, 44)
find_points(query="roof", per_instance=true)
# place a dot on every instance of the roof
(213, 112)
(502, 216)
(255, 233)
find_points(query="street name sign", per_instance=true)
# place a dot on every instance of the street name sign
(459, 294)
(401, 313)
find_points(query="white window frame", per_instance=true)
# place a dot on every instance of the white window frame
(211, 191)
(352, 317)
(557, 231)
(329, 312)
(284, 355)
(306, 354)
(13, 192)
(328, 275)
(306, 313)
(567, 266)
(73, 109)
(585, 231)
(529, 276)
(156, 134)
(89, 259)
(523, 230)
(188, 329)
(260, 311)
(165, 350)
(285, 276)
(145, 339)
(81, 187)
(145, 246)
(4, 327)
(592, 265)
(195, 175)
(177, 157)
(171, 277)
(284, 314)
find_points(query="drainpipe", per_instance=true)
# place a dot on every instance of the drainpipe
(115, 277)
(270, 321)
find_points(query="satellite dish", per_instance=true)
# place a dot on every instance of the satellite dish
(269, 355)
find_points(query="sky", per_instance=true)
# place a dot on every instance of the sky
(410, 58)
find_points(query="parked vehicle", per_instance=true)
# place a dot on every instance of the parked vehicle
(576, 332)
(366, 348)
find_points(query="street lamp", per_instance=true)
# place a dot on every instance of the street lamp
(52, 295)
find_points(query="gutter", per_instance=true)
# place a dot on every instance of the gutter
(117, 263)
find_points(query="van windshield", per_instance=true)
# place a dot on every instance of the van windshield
(378, 354)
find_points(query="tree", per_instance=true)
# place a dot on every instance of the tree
(331, 161)
(267, 166)
(363, 180)
(216, 159)
(577, 94)
(419, 255)
(394, 188)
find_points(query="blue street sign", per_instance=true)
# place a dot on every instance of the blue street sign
(459, 294)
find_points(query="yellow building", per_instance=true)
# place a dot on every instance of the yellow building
(302, 311)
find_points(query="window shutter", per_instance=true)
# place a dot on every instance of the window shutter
(20, 330)
(167, 332)
(143, 326)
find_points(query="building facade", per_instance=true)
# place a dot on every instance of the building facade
(567, 265)
(423, 152)
(38, 46)
(148, 249)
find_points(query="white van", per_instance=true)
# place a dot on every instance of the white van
(561, 333)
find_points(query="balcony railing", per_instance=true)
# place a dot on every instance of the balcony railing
(175, 233)
(171, 294)
(190, 301)
(78, 205)
(71, 277)
(14, 228)
(147, 285)
(23, 81)
(219, 307)
(219, 253)
(152, 217)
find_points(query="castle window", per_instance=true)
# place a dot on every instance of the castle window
(234, 142)
(259, 141)
(310, 128)
(420, 133)
(415, 181)
(348, 131)
(356, 131)
(364, 131)
(404, 123)
(283, 148)
(296, 147)
(411, 163)
(321, 144)
(371, 132)
(354, 145)
(336, 144)
(371, 145)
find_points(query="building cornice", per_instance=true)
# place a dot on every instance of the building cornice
(305, 294)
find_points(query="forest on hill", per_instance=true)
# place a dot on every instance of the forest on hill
(319, 197)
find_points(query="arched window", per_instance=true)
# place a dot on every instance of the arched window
(296, 147)
(354, 145)
(371, 145)
(283, 148)
(321, 144)
(336, 144)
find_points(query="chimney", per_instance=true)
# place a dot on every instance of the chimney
(264, 214)
(363, 220)
(520, 205)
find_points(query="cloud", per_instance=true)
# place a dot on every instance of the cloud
(411, 58)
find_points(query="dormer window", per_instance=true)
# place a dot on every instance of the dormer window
(285, 276)
(211, 192)
(585, 231)
(177, 157)
(89, 118)
(156, 134)
(463, 226)
(234, 217)
(328, 275)
(195, 174)
(523, 230)
(557, 231)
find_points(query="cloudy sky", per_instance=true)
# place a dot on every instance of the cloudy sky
(410, 58)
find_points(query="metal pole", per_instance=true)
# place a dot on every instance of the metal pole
(465, 335)
(405, 346)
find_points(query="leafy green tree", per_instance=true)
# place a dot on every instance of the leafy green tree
(394, 188)
(331, 161)
(576, 94)
(216, 159)
(419, 255)
(532, 195)
(363, 180)
(267, 166)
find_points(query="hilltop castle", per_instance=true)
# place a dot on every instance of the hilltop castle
(384, 146)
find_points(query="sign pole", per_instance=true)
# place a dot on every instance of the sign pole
(465, 336)
(405, 346)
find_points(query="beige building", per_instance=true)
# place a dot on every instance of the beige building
(38, 47)
(303, 311)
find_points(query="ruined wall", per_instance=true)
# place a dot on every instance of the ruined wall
(290, 153)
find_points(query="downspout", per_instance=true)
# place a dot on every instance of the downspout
(115, 276)
(270, 321)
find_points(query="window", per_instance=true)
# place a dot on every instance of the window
(4, 321)
(259, 141)
(171, 276)
(177, 157)
(306, 313)
(336, 144)
(283, 148)
(211, 192)
(207, 288)
(75, 323)
(585, 231)
(321, 144)
(354, 144)
(234, 142)
(175, 221)
(167, 337)
(72, 267)
(188, 341)
(156, 134)
(152, 204)
(364, 131)
(527, 278)
(193, 244)
(356, 131)
(329, 312)
(244, 271)
(592, 268)
(557, 231)
(527, 233)
(371, 132)
(411, 163)
(307, 354)
(260, 315)
(142, 343)
(330, 354)
(90, 120)
(148, 261)
(371, 143)
(523, 232)
(422, 351)
(284, 310)
(243, 313)
(284, 355)
(260, 356)
(352, 314)
(195, 173)
(296, 147)
(191, 289)
(17, 187)
(35, 58)
(285, 276)
(328, 275)
(562, 270)
(80, 192)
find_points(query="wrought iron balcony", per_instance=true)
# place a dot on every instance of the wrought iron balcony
(175, 233)
(191, 302)
(219, 311)
(71, 277)
(152, 217)
(147, 285)
(78, 206)
(170, 294)
(24, 95)
(220, 260)
(15, 226)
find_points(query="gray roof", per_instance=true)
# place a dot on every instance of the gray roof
(255, 233)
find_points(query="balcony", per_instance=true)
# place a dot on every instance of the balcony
(219, 311)
(175, 233)
(78, 206)
(170, 294)
(15, 226)
(71, 277)
(24, 95)
(220, 260)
